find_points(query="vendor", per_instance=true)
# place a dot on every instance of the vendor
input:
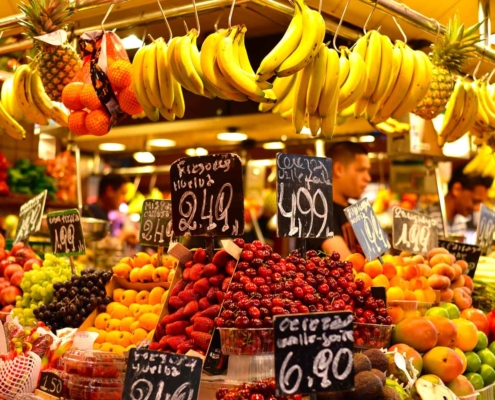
(350, 177)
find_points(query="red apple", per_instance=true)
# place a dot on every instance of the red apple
(8, 295)
(4, 284)
(28, 265)
(16, 247)
(5, 311)
(2, 242)
(3, 254)
(11, 270)
(23, 255)
(5, 263)
(16, 278)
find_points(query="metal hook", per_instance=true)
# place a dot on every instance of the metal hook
(231, 13)
(334, 42)
(475, 72)
(186, 27)
(215, 25)
(369, 17)
(106, 16)
(319, 7)
(198, 27)
(404, 36)
(491, 75)
(166, 21)
(438, 29)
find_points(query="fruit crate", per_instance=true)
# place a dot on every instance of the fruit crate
(94, 364)
(406, 305)
(487, 393)
(82, 388)
(250, 341)
(372, 336)
(424, 306)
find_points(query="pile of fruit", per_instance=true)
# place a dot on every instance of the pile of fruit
(144, 269)
(63, 170)
(26, 177)
(4, 165)
(259, 390)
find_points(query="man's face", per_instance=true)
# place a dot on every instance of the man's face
(480, 195)
(116, 196)
(356, 177)
(464, 202)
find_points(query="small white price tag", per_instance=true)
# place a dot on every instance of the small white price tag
(179, 252)
(231, 248)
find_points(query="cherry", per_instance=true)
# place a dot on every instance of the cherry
(277, 302)
(264, 312)
(346, 298)
(246, 255)
(268, 322)
(338, 304)
(359, 284)
(260, 253)
(266, 303)
(298, 292)
(335, 256)
(277, 310)
(349, 277)
(335, 273)
(219, 322)
(239, 242)
(275, 257)
(255, 302)
(303, 309)
(244, 279)
(264, 289)
(244, 303)
(254, 312)
(256, 323)
(251, 272)
(309, 298)
(380, 303)
(256, 262)
(312, 308)
(250, 287)
(236, 297)
(258, 280)
(241, 322)
(227, 314)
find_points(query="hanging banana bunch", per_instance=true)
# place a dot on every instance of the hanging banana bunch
(484, 126)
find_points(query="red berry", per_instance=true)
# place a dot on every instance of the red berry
(277, 310)
(323, 288)
(254, 312)
(241, 322)
(247, 255)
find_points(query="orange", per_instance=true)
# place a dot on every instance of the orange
(148, 321)
(120, 312)
(89, 98)
(138, 336)
(365, 277)
(98, 123)
(101, 321)
(119, 74)
(125, 324)
(373, 268)
(128, 101)
(357, 261)
(77, 122)
(141, 259)
(117, 294)
(381, 280)
(389, 270)
(409, 295)
(395, 294)
(396, 313)
(111, 306)
(71, 96)
(467, 334)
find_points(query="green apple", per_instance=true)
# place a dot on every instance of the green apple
(487, 357)
(473, 361)
(452, 309)
(482, 342)
(476, 380)
(488, 374)
(437, 311)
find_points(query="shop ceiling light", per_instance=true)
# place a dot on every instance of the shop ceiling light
(367, 139)
(201, 152)
(161, 143)
(191, 152)
(232, 136)
(144, 157)
(274, 146)
(111, 147)
(306, 131)
(132, 42)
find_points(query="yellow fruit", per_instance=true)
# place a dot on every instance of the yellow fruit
(146, 273)
(141, 259)
(116, 349)
(133, 308)
(143, 297)
(131, 346)
(92, 329)
(120, 312)
(117, 294)
(128, 297)
(157, 309)
(96, 346)
(113, 337)
(122, 270)
(150, 335)
(171, 275)
(160, 274)
(134, 275)
(134, 326)
(101, 320)
(101, 336)
(148, 321)
(111, 306)
(105, 346)
(156, 295)
(125, 324)
(164, 297)
(112, 325)
(138, 336)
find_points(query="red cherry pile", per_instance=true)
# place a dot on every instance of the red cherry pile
(194, 303)
(259, 390)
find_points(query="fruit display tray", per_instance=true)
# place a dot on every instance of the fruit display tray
(250, 341)
(94, 364)
(372, 336)
(82, 388)
(487, 393)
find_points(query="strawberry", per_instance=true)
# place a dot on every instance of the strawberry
(184, 347)
(176, 316)
(200, 256)
(225, 284)
(175, 341)
(177, 328)
(198, 314)
(203, 324)
(176, 302)
(201, 339)
(191, 308)
(216, 280)
(196, 272)
(163, 341)
(189, 264)
(159, 331)
(189, 286)
(185, 274)
(230, 267)
(210, 270)
(189, 329)
(155, 346)
(221, 258)
(212, 295)
(211, 312)
(179, 287)
(202, 286)
(188, 295)
(204, 303)
(220, 297)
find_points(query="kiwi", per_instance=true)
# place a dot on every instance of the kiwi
(378, 359)
(390, 394)
(367, 385)
(361, 363)
(380, 375)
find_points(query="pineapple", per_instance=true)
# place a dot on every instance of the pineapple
(57, 65)
(448, 56)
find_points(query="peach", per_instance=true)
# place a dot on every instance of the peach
(440, 259)
(443, 362)
(381, 280)
(457, 270)
(439, 282)
(141, 259)
(128, 297)
(418, 283)
(127, 260)
(399, 282)
(396, 313)
(461, 386)
(425, 270)
(446, 295)
(467, 334)
(409, 295)
(420, 295)
(418, 259)
(463, 264)
(468, 282)
(395, 294)
(122, 270)
(358, 261)
(398, 261)
(478, 318)
(373, 268)
(437, 250)
(458, 283)
(143, 297)
(389, 270)
(146, 273)
(444, 269)
(156, 295)
(447, 330)
(412, 271)
(148, 321)
(400, 272)
(462, 299)
(134, 275)
(430, 295)
(467, 290)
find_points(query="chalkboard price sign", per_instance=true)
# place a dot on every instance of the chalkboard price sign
(314, 353)
(461, 251)
(66, 234)
(413, 231)
(207, 196)
(156, 223)
(369, 233)
(30, 217)
(51, 383)
(486, 227)
(154, 375)
(304, 196)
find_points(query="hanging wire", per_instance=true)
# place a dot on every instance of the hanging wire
(106, 16)
(319, 7)
(491, 75)
(198, 27)
(334, 42)
(185, 26)
(166, 21)
(475, 72)
(231, 13)
(369, 17)
(215, 25)
(438, 29)
(404, 36)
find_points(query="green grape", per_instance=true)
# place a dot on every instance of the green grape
(36, 267)
(18, 304)
(28, 312)
(49, 288)
(26, 296)
(43, 292)
(24, 303)
(31, 322)
(35, 288)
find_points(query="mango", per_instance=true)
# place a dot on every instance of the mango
(417, 332)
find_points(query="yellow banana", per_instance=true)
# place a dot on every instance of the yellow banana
(385, 76)
(469, 114)
(186, 62)
(179, 106)
(361, 45)
(352, 89)
(453, 112)
(373, 63)
(300, 96)
(10, 125)
(150, 76)
(139, 87)
(22, 92)
(312, 36)
(331, 82)
(167, 114)
(328, 122)
(281, 88)
(165, 77)
(486, 104)
(44, 103)
(285, 103)
(343, 69)
(317, 80)
(8, 101)
(314, 124)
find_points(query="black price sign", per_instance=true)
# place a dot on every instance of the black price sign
(486, 227)
(154, 375)
(30, 217)
(467, 252)
(156, 223)
(413, 231)
(314, 353)
(51, 383)
(66, 234)
(207, 196)
(369, 233)
(304, 196)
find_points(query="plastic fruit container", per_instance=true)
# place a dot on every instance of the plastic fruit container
(372, 336)
(94, 364)
(251, 368)
(406, 305)
(83, 388)
(424, 306)
(487, 393)
(251, 341)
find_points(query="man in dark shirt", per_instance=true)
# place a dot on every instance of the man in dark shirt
(111, 194)
(350, 177)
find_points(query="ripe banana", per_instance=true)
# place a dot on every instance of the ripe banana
(165, 77)
(8, 100)
(286, 103)
(150, 75)
(313, 33)
(373, 62)
(317, 81)
(352, 89)
(300, 98)
(281, 88)
(179, 106)
(139, 87)
(386, 64)
(44, 103)
(10, 125)
(453, 112)
(23, 96)
(287, 45)
(186, 64)
(331, 86)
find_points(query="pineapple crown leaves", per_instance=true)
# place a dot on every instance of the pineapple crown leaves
(456, 46)
(44, 16)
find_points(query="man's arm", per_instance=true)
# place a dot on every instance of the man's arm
(337, 244)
